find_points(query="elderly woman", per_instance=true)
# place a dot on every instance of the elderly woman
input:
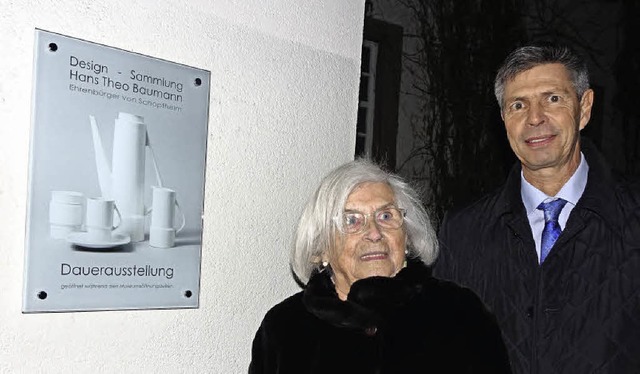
(369, 304)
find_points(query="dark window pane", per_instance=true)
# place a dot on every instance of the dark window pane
(364, 88)
(366, 56)
(362, 121)
(359, 146)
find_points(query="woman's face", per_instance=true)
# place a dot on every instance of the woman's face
(373, 252)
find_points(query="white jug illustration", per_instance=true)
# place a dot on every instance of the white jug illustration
(126, 183)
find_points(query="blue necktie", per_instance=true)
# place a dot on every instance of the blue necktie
(552, 228)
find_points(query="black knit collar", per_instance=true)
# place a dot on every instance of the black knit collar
(369, 301)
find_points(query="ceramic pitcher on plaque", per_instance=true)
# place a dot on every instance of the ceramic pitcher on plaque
(126, 183)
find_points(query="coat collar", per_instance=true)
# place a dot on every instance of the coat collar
(369, 301)
(597, 196)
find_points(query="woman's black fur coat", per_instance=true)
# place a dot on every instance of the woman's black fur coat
(411, 323)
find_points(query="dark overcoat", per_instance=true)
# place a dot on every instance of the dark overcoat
(411, 323)
(579, 312)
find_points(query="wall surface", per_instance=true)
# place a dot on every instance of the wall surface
(284, 78)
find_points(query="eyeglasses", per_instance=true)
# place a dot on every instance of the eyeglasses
(354, 222)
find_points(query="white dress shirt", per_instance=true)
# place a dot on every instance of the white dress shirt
(571, 192)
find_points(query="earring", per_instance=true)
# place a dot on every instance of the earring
(323, 266)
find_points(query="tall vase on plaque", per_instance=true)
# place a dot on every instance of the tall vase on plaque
(124, 181)
(129, 140)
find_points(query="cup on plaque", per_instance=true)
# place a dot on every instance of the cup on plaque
(99, 219)
(66, 212)
(162, 231)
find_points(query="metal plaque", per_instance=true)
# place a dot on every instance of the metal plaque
(116, 179)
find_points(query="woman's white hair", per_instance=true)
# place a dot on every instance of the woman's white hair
(316, 228)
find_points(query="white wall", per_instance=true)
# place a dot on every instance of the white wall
(282, 112)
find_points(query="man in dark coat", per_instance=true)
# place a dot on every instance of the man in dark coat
(555, 252)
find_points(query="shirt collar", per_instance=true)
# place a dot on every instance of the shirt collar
(571, 191)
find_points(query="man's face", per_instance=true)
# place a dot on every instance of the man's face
(374, 252)
(543, 118)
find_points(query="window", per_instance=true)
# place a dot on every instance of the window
(377, 123)
(367, 104)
